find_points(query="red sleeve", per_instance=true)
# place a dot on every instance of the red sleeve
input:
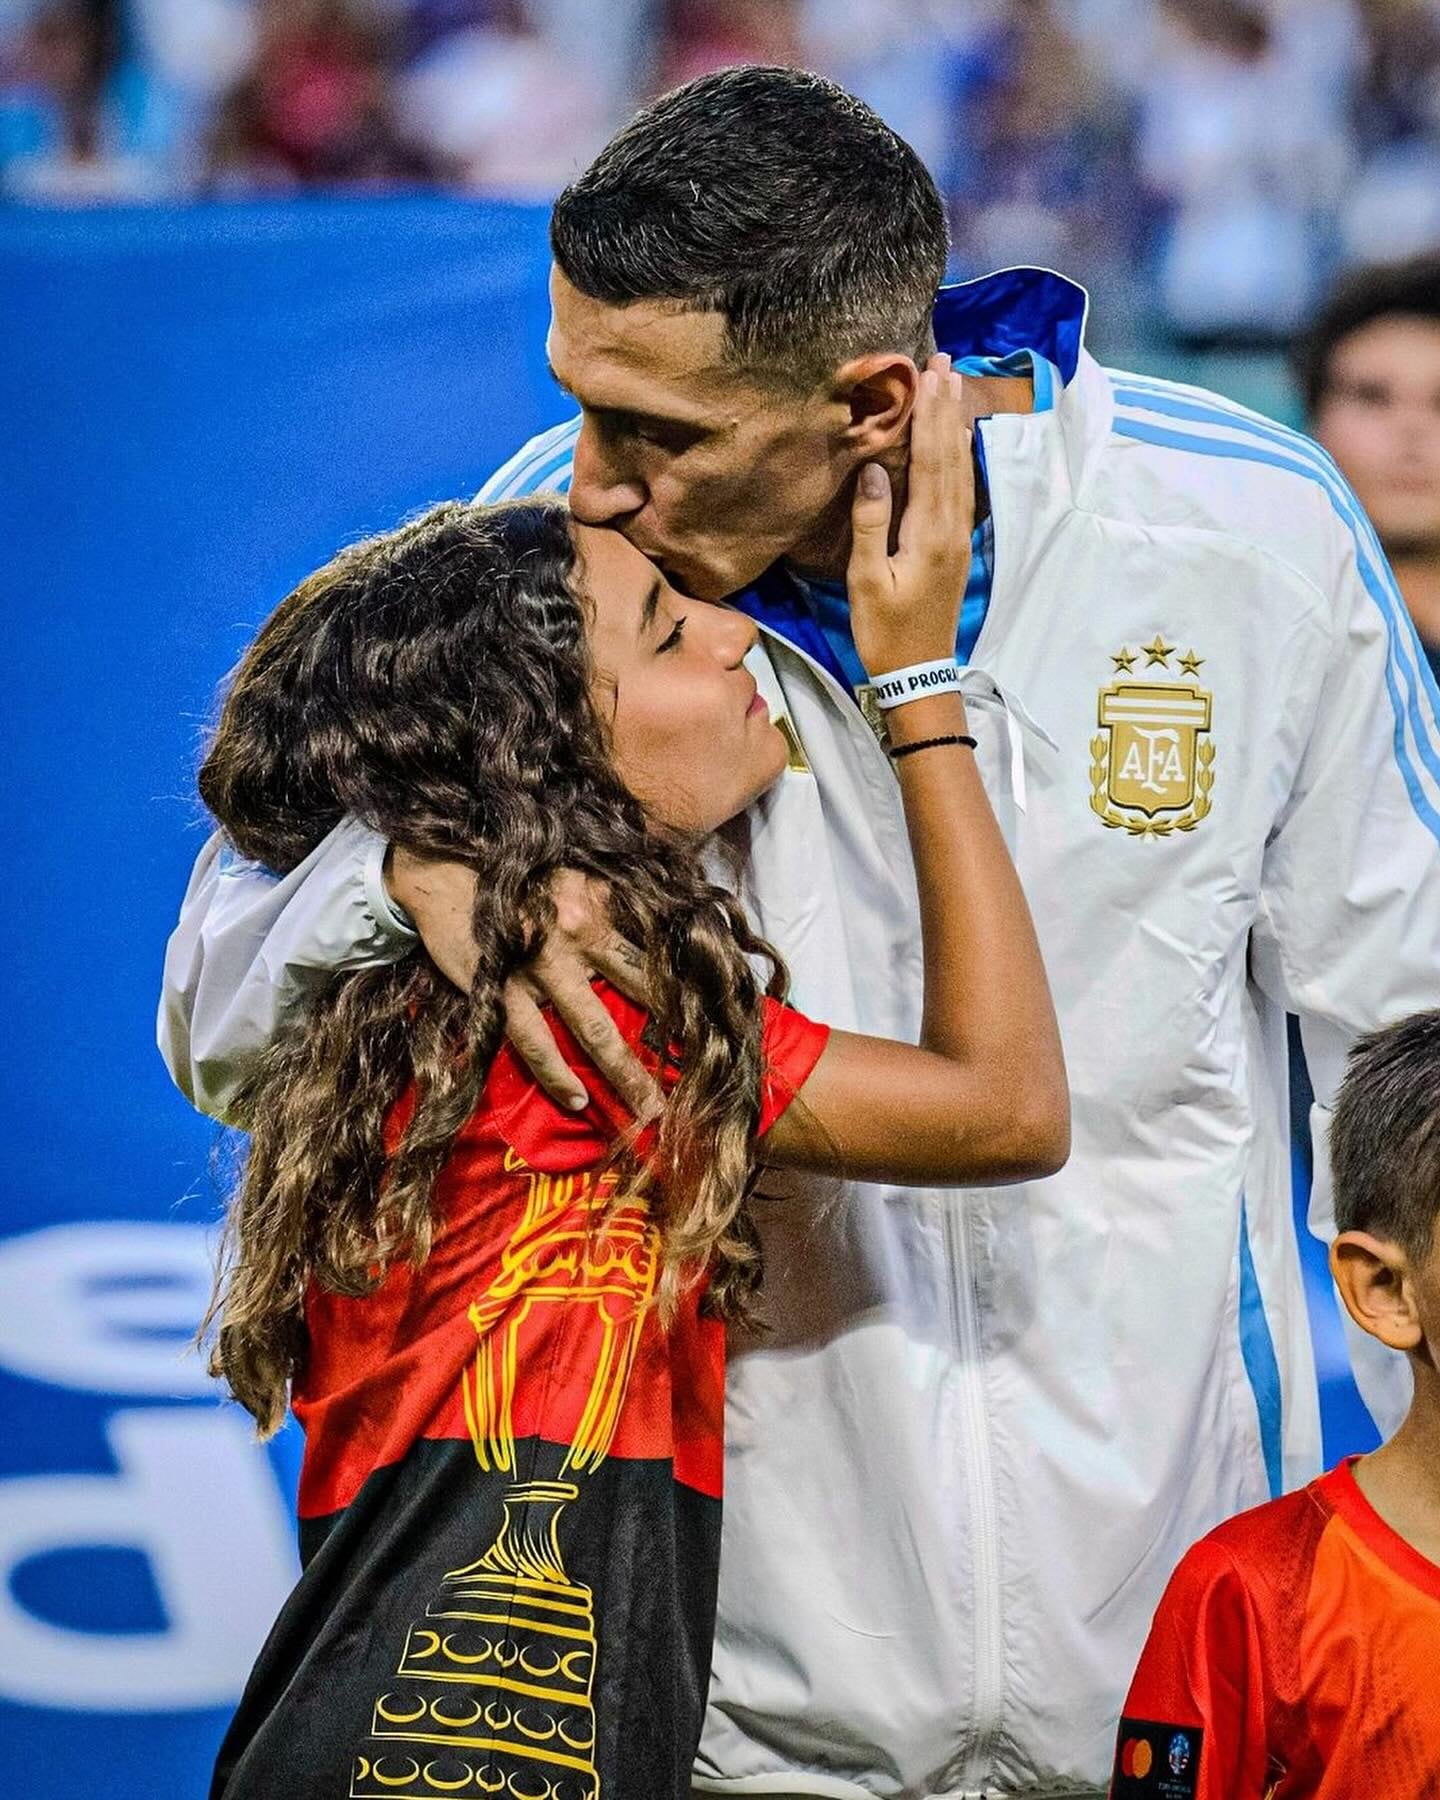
(792, 1045)
(1195, 1716)
(558, 1142)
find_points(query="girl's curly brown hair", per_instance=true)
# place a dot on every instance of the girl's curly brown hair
(434, 683)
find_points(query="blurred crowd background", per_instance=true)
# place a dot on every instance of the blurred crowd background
(1205, 166)
(204, 397)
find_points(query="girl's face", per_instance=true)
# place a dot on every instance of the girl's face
(691, 737)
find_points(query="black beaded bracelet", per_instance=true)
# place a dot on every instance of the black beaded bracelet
(896, 751)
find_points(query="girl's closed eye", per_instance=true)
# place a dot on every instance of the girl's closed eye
(671, 640)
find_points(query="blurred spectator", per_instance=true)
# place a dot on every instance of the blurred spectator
(1393, 208)
(700, 36)
(1246, 172)
(1202, 165)
(194, 52)
(906, 58)
(1369, 369)
(1033, 115)
(317, 106)
(69, 132)
(1397, 95)
(511, 109)
(618, 60)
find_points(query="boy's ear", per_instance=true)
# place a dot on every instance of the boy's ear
(1375, 1282)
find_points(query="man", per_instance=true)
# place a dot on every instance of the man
(1369, 369)
(984, 1427)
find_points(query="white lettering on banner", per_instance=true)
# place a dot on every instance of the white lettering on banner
(196, 1496)
(66, 1316)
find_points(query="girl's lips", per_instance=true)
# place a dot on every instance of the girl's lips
(757, 705)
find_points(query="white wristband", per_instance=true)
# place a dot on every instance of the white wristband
(917, 682)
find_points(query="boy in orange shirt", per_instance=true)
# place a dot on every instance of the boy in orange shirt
(1296, 1651)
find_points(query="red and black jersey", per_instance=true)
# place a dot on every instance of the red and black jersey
(1295, 1655)
(510, 1494)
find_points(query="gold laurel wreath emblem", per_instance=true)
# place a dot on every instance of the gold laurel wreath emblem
(1115, 820)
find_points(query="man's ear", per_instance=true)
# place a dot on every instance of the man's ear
(1375, 1282)
(878, 391)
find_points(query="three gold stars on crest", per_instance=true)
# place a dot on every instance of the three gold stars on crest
(1157, 651)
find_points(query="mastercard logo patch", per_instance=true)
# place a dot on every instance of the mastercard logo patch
(1158, 1760)
(1136, 1758)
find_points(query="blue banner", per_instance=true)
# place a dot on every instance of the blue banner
(199, 406)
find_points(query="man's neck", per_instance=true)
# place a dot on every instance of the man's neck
(1418, 575)
(1401, 1479)
(824, 552)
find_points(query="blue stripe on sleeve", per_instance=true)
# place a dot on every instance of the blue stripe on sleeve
(1392, 609)
(539, 464)
(1257, 1348)
(1139, 392)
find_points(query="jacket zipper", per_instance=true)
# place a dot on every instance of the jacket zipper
(989, 1674)
(989, 1671)
(989, 1695)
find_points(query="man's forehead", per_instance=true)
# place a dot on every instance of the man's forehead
(614, 356)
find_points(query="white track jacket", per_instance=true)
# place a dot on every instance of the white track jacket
(986, 1424)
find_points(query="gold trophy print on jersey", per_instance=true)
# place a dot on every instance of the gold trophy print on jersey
(1152, 763)
(493, 1690)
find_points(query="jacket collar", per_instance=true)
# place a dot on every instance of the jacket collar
(1014, 309)
(1034, 309)
(994, 316)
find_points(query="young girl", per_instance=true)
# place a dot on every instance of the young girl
(501, 1324)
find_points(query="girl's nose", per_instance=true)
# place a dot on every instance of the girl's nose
(739, 637)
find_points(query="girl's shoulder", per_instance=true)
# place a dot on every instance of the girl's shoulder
(516, 1110)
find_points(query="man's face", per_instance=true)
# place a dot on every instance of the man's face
(1380, 419)
(707, 472)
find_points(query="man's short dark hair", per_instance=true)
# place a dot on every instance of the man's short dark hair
(1381, 291)
(771, 196)
(1385, 1135)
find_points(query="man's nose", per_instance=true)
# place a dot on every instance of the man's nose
(600, 493)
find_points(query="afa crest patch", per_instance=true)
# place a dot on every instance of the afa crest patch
(1154, 1761)
(1152, 763)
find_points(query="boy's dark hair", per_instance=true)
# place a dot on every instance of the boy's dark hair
(1380, 291)
(1385, 1135)
(771, 196)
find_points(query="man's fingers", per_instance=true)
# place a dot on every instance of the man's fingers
(439, 896)
(599, 1037)
(622, 965)
(530, 1033)
(563, 982)
(582, 908)
(583, 944)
